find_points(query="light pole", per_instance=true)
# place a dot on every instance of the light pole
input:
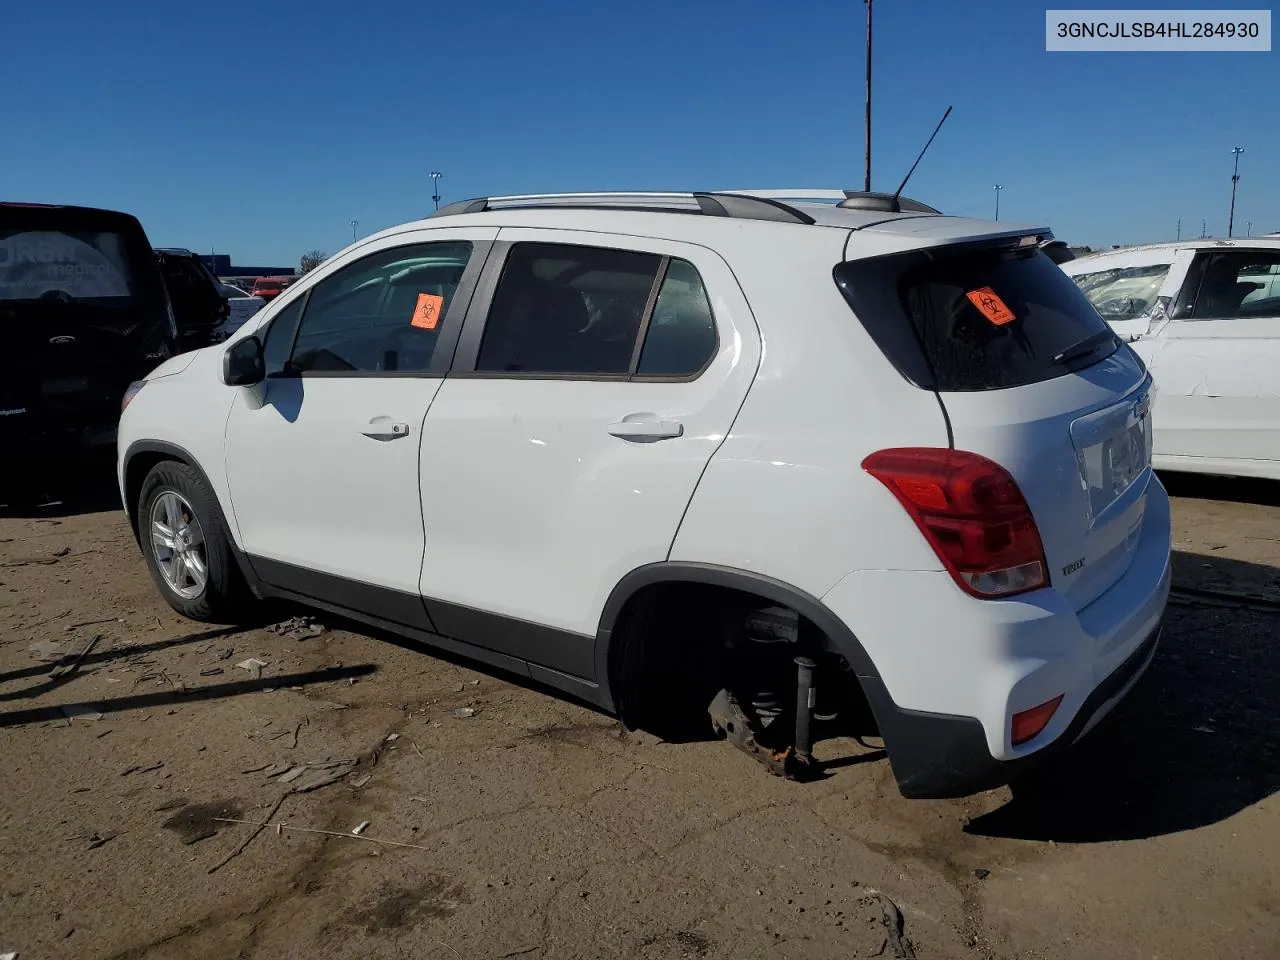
(435, 187)
(1204, 228)
(1248, 229)
(1235, 178)
(999, 187)
(866, 175)
(354, 224)
(1179, 228)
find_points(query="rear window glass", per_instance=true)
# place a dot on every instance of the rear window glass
(983, 319)
(81, 265)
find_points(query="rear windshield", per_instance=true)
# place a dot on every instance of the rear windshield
(976, 318)
(76, 264)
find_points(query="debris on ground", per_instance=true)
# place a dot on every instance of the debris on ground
(896, 944)
(392, 738)
(70, 665)
(82, 710)
(298, 628)
(359, 782)
(464, 712)
(47, 650)
(982, 873)
(212, 672)
(97, 840)
(141, 769)
(360, 828)
(11, 955)
(253, 665)
(305, 777)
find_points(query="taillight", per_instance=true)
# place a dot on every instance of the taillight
(971, 512)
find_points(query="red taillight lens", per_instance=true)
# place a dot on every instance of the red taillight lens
(1029, 723)
(972, 513)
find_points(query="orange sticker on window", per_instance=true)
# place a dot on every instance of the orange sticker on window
(991, 306)
(426, 313)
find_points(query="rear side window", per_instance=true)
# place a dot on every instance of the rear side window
(976, 318)
(1124, 293)
(76, 264)
(562, 310)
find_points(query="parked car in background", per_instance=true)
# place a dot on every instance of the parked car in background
(83, 313)
(198, 304)
(241, 306)
(1058, 251)
(934, 484)
(1204, 315)
(268, 288)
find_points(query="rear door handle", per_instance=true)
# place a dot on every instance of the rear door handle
(646, 430)
(383, 428)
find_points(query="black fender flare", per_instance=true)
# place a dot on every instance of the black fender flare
(171, 451)
(776, 591)
(932, 755)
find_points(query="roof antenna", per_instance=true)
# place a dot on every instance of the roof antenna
(897, 193)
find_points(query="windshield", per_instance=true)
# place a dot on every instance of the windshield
(1125, 293)
(91, 265)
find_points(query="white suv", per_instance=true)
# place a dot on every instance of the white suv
(757, 453)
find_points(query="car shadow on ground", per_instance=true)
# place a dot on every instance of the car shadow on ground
(1195, 742)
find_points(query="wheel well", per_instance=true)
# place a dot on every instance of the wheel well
(135, 472)
(668, 654)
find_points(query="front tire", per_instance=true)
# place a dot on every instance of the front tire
(188, 550)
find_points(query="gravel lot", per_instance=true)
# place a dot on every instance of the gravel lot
(517, 824)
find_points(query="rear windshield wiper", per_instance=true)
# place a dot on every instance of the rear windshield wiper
(1082, 348)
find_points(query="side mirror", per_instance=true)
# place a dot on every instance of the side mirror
(242, 363)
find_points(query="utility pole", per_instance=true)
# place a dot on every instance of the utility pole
(999, 187)
(866, 177)
(1248, 228)
(1235, 178)
(435, 186)
(1179, 228)
(1204, 227)
(354, 224)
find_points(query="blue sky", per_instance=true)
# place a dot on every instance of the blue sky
(262, 129)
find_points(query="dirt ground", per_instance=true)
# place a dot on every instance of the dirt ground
(506, 822)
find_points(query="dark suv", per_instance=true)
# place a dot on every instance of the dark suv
(83, 312)
(198, 304)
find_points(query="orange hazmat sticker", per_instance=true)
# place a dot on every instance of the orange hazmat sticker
(991, 306)
(426, 313)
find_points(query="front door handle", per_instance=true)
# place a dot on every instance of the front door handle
(383, 428)
(646, 430)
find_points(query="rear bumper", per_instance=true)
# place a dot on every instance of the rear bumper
(950, 671)
(936, 755)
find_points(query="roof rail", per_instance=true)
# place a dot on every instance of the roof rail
(716, 204)
(846, 199)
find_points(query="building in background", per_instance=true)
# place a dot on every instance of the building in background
(224, 269)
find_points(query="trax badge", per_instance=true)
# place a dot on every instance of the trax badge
(1073, 566)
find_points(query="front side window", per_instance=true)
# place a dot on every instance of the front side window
(1124, 293)
(581, 311)
(1239, 284)
(383, 313)
(278, 338)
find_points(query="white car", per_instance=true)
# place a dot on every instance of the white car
(1204, 315)
(745, 454)
(242, 306)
